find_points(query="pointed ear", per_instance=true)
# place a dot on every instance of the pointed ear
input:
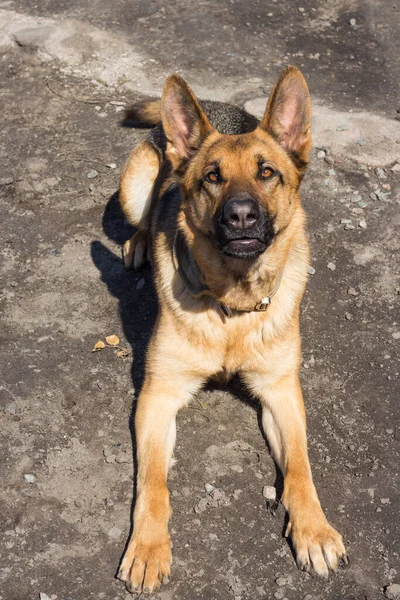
(184, 122)
(288, 115)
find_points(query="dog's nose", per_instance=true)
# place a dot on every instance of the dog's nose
(240, 214)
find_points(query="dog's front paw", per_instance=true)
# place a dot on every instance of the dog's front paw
(145, 566)
(135, 251)
(318, 546)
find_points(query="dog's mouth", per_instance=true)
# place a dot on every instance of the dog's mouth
(244, 248)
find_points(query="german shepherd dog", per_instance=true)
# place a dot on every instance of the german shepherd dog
(214, 195)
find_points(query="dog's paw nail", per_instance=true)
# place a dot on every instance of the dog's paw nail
(304, 567)
(120, 575)
(165, 579)
(345, 560)
(133, 589)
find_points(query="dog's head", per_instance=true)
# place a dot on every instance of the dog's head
(240, 191)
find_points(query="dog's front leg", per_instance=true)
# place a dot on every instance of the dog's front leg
(147, 560)
(316, 543)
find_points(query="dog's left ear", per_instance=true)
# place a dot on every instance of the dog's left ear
(288, 115)
(184, 122)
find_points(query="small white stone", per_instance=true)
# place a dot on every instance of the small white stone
(114, 533)
(396, 335)
(29, 478)
(352, 22)
(92, 174)
(43, 596)
(269, 492)
(112, 165)
(331, 266)
(237, 468)
(363, 224)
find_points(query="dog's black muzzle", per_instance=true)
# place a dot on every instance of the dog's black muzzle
(243, 228)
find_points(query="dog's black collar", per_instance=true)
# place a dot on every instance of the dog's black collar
(192, 278)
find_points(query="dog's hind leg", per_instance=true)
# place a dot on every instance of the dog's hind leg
(135, 196)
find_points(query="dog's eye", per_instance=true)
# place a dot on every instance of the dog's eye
(267, 172)
(212, 177)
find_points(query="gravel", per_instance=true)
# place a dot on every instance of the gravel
(29, 478)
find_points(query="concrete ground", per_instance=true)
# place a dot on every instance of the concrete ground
(67, 70)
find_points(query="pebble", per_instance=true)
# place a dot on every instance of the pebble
(348, 226)
(43, 596)
(361, 142)
(29, 478)
(385, 501)
(382, 195)
(301, 9)
(396, 168)
(311, 270)
(321, 154)
(281, 581)
(380, 173)
(6, 181)
(115, 533)
(362, 224)
(352, 22)
(352, 292)
(209, 488)
(11, 408)
(92, 174)
(51, 181)
(345, 221)
(331, 266)
(348, 316)
(363, 203)
(341, 128)
(373, 196)
(269, 492)
(396, 335)
(112, 165)
(236, 468)
(392, 591)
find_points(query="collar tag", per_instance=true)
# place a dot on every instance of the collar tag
(263, 305)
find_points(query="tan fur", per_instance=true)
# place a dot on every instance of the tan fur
(135, 193)
(191, 342)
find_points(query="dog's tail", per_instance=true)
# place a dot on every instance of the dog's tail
(145, 114)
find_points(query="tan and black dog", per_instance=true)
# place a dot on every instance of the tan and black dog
(216, 202)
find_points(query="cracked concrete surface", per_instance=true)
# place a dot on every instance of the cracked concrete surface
(67, 70)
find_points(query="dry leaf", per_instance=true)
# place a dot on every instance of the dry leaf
(98, 346)
(112, 340)
(123, 353)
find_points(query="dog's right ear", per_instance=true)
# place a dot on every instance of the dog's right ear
(184, 122)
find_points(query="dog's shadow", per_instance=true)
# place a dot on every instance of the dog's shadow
(138, 312)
